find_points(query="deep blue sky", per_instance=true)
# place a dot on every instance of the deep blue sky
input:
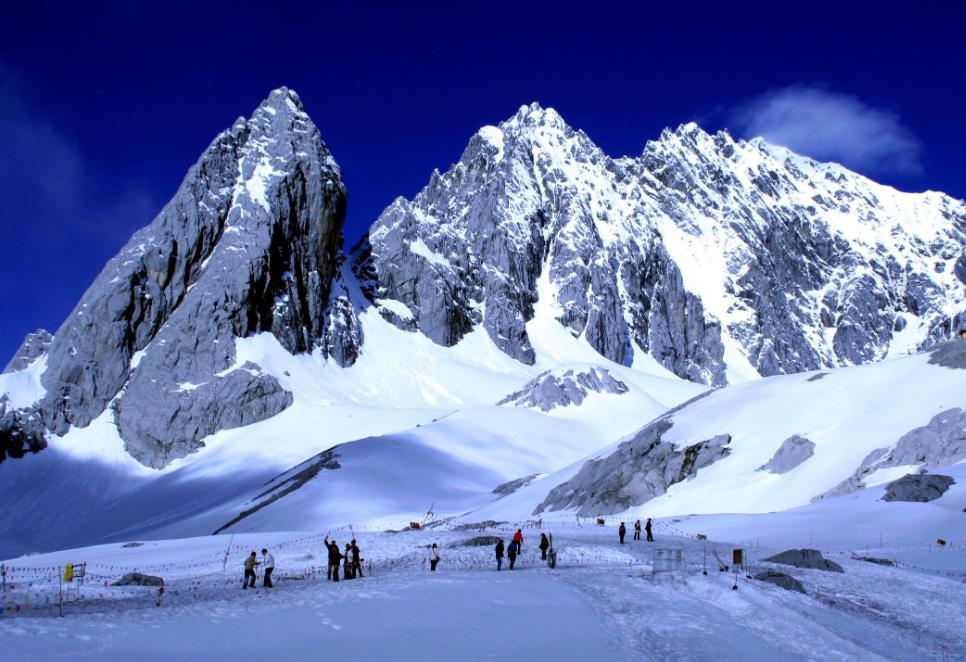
(104, 106)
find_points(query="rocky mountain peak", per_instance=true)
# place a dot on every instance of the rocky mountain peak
(250, 243)
(703, 248)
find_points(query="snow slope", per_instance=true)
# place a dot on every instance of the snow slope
(416, 424)
(846, 413)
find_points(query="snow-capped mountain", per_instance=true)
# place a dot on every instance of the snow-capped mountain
(722, 259)
(230, 369)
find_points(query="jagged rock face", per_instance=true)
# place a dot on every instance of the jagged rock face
(21, 431)
(249, 243)
(547, 390)
(793, 451)
(32, 347)
(702, 244)
(641, 468)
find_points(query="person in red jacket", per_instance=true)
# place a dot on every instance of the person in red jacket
(622, 531)
(518, 538)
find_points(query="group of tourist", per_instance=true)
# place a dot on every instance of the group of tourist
(350, 559)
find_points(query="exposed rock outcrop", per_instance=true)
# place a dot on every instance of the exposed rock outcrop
(940, 442)
(548, 390)
(793, 451)
(805, 558)
(512, 486)
(781, 579)
(22, 431)
(919, 488)
(34, 345)
(641, 468)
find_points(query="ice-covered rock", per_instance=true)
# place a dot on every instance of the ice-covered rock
(918, 487)
(549, 390)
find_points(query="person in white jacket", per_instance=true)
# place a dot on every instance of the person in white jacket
(433, 557)
(268, 562)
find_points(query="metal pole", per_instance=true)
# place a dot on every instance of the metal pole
(224, 566)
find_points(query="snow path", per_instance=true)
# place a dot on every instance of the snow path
(446, 616)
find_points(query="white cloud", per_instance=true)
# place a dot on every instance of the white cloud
(831, 126)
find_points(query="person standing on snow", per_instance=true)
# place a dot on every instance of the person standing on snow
(433, 557)
(512, 551)
(647, 528)
(637, 530)
(347, 568)
(518, 539)
(269, 562)
(499, 554)
(544, 544)
(334, 556)
(622, 531)
(250, 564)
(356, 559)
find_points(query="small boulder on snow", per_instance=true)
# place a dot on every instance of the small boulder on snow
(137, 579)
(804, 558)
(478, 541)
(918, 488)
(781, 579)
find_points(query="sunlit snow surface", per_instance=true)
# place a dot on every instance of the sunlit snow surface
(602, 601)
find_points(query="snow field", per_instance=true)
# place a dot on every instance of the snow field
(601, 600)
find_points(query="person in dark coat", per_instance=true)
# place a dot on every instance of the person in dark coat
(433, 557)
(499, 554)
(647, 528)
(348, 571)
(637, 530)
(334, 557)
(544, 545)
(512, 552)
(622, 531)
(356, 559)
